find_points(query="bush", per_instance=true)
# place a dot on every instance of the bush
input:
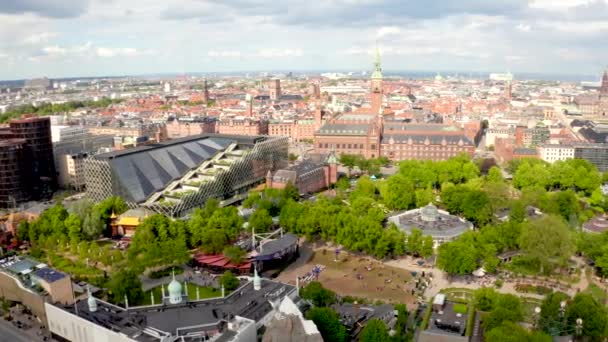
(229, 281)
(499, 283)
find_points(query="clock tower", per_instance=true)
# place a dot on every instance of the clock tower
(376, 85)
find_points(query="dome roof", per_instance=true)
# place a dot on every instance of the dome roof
(175, 291)
(174, 287)
(429, 213)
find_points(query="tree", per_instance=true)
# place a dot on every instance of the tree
(427, 246)
(374, 331)
(547, 240)
(398, 192)
(235, 254)
(593, 314)
(550, 320)
(23, 231)
(507, 309)
(317, 294)
(349, 161)
(485, 298)
(229, 281)
(495, 175)
(260, 220)
(424, 197)
(365, 187)
(459, 256)
(414, 241)
(401, 323)
(328, 323)
(518, 212)
(213, 241)
(125, 282)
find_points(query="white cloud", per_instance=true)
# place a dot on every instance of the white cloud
(387, 31)
(559, 5)
(38, 38)
(114, 52)
(228, 54)
(279, 53)
(54, 51)
(523, 27)
(89, 50)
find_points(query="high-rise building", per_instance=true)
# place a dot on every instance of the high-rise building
(36, 132)
(14, 169)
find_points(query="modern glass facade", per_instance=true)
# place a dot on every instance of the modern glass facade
(174, 177)
(596, 154)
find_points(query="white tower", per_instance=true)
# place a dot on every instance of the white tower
(91, 301)
(175, 291)
(257, 281)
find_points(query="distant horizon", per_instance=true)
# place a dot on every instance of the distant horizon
(413, 74)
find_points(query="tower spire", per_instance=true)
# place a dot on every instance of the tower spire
(377, 73)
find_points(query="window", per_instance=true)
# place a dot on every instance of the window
(373, 147)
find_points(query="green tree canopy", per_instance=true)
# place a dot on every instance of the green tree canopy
(374, 331)
(547, 240)
(593, 314)
(328, 323)
(229, 281)
(260, 220)
(317, 294)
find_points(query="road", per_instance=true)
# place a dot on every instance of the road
(9, 333)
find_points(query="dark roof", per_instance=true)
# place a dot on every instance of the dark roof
(525, 151)
(245, 302)
(291, 97)
(49, 275)
(434, 139)
(277, 246)
(148, 169)
(344, 129)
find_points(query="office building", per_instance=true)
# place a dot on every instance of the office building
(178, 175)
(36, 132)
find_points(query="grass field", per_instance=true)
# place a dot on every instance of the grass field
(460, 308)
(204, 292)
(341, 277)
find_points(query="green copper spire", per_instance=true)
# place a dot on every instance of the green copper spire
(377, 74)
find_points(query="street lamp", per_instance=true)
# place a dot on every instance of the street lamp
(579, 326)
(537, 316)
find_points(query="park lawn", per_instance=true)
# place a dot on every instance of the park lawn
(341, 277)
(460, 308)
(204, 292)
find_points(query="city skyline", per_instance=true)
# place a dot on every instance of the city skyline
(94, 38)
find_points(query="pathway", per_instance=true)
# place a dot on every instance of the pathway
(441, 280)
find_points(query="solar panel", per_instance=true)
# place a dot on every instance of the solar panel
(49, 275)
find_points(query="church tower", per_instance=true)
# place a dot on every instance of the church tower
(377, 91)
(604, 87)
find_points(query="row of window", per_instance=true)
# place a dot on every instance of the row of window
(346, 146)
(424, 148)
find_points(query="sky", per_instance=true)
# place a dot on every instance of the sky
(68, 38)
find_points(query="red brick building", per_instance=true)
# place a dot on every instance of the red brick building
(308, 176)
(373, 134)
